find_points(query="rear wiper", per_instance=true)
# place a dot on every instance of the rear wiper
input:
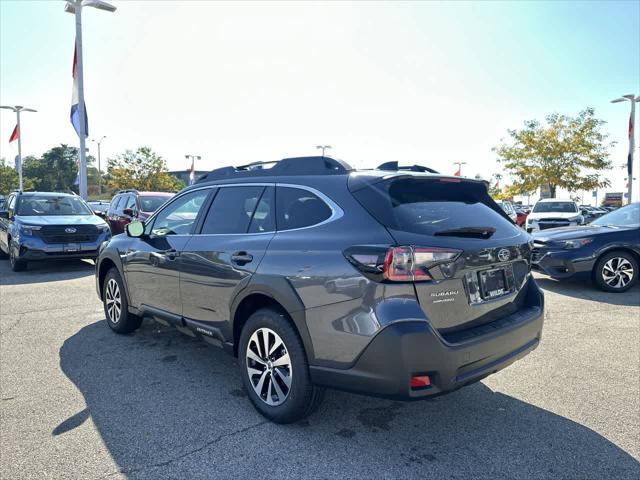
(473, 232)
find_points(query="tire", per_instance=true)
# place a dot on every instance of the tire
(3, 255)
(277, 401)
(116, 306)
(616, 271)
(16, 264)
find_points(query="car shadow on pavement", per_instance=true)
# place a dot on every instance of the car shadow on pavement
(587, 290)
(50, 271)
(169, 406)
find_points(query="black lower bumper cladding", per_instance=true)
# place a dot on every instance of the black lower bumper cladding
(406, 349)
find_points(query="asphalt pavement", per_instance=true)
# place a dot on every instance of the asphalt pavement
(77, 401)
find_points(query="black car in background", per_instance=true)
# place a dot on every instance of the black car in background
(607, 250)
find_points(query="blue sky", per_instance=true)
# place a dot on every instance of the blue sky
(432, 82)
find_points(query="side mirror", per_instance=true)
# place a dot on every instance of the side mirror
(129, 211)
(135, 229)
(4, 214)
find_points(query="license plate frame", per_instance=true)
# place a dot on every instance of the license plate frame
(71, 248)
(493, 283)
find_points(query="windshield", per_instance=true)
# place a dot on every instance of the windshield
(52, 205)
(628, 216)
(150, 203)
(555, 207)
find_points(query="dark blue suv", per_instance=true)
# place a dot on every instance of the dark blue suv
(46, 225)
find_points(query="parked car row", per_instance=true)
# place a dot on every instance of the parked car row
(37, 226)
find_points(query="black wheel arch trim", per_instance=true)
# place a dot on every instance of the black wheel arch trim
(612, 247)
(281, 291)
(117, 261)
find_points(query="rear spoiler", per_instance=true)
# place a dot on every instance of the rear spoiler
(395, 167)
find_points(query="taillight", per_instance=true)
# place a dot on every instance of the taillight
(399, 264)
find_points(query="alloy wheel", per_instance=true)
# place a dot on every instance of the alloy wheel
(269, 366)
(617, 272)
(113, 301)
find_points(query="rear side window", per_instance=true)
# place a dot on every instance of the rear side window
(298, 208)
(430, 207)
(264, 217)
(232, 210)
(114, 203)
(131, 202)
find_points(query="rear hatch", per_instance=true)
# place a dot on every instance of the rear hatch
(467, 260)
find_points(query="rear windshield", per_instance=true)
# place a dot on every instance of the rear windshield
(555, 207)
(33, 205)
(427, 206)
(149, 203)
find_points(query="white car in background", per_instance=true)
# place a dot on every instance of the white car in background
(554, 213)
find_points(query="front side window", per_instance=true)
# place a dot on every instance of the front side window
(51, 205)
(178, 217)
(233, 209)
(298, 208)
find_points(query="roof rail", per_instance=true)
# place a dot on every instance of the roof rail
(394, 167)
(284, 167)
(127, 190)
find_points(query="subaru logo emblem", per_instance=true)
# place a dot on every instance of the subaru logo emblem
(70, 230)
(504, 255)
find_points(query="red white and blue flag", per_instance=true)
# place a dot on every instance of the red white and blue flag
(14, 135)
(75, 111)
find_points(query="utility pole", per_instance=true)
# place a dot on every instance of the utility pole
(17, 109)
(632, 120)
(459, 171)
(192, 169)
(323, 148)
(98, 142)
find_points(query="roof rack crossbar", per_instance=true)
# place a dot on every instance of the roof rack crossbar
(284, 167)
(395, 167)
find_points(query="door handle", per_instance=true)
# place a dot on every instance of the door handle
(170, 254)
(241, 258)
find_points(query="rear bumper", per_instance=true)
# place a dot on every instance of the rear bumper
(404, 349)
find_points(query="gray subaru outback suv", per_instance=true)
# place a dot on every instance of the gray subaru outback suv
(397, 282)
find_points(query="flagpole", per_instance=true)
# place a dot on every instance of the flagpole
(631, 147)
(81, 112)
(19, 151)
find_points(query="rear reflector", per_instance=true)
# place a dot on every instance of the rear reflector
(420, 381)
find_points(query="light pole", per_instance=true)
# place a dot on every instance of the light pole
(17, 109)
(98, 142)
(323, 148)
(459, 173)
(632, 120)
(193, 166)
(75, 7)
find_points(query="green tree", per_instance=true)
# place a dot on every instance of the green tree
(9, 179)
(56, 170)
(567, 152)
(142, 169)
